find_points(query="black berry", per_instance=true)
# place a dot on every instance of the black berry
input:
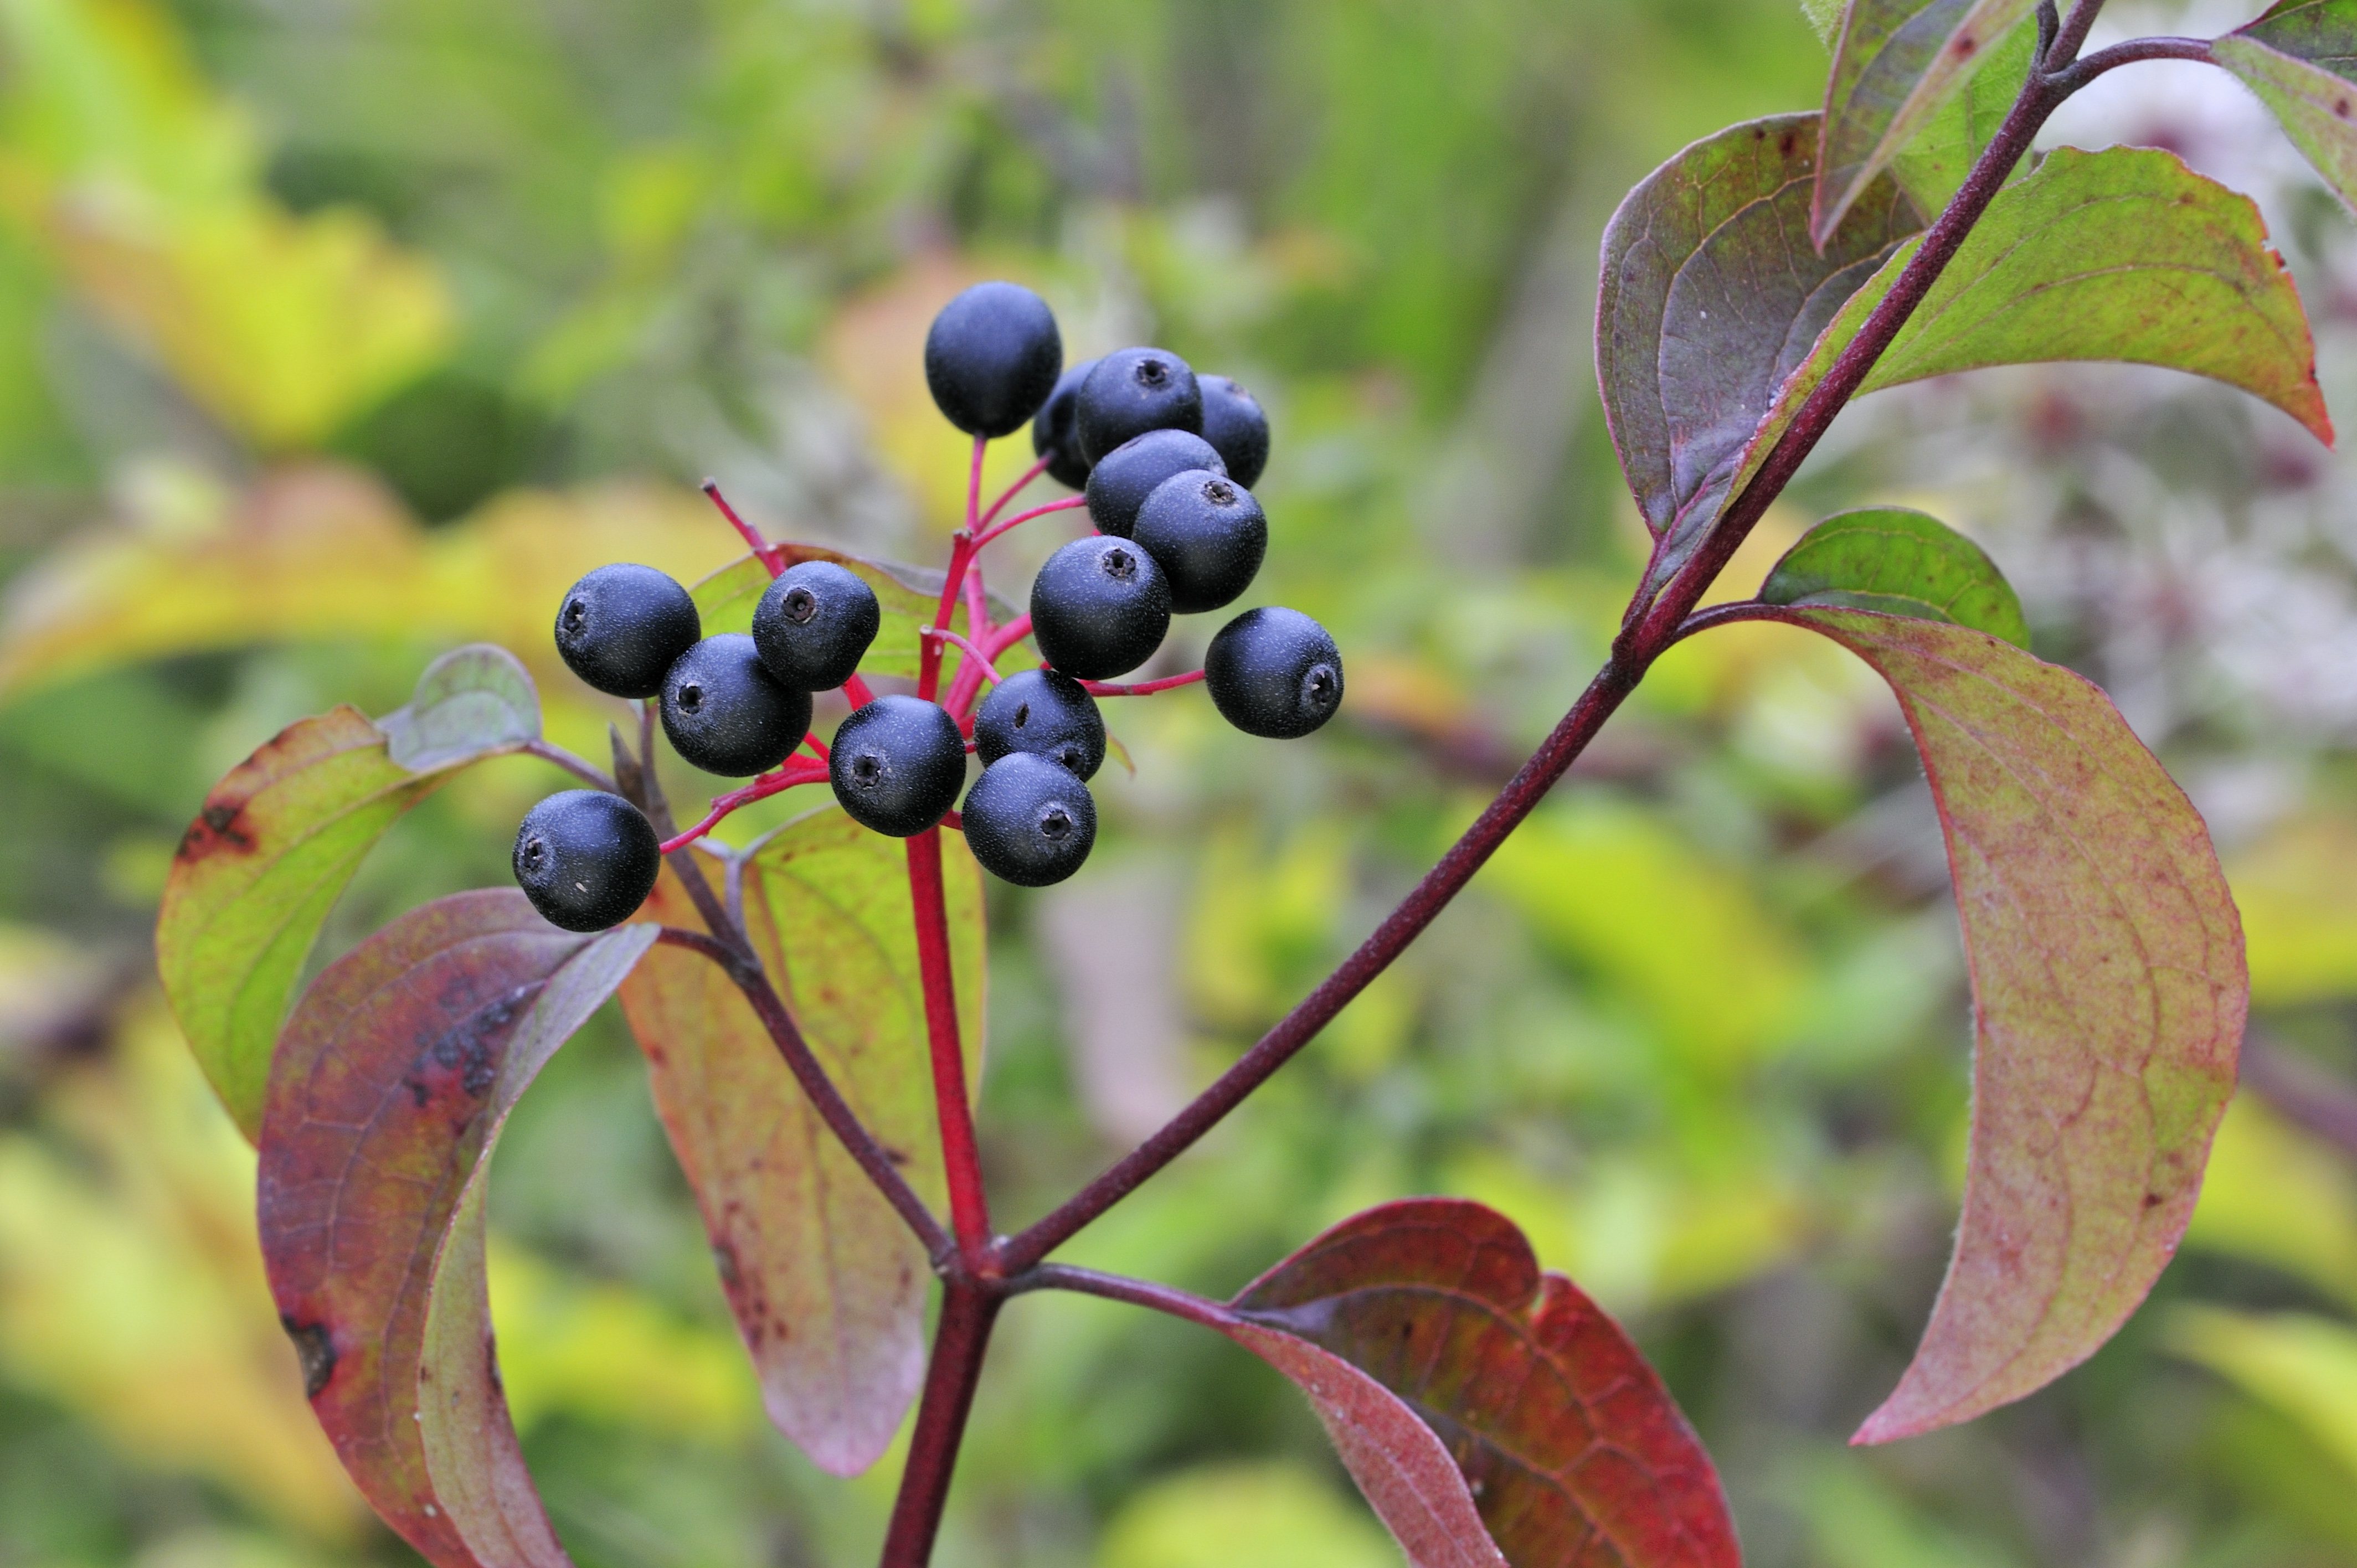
(726, 714)
(1275, 672)
(897, 764)
(814, 624)
(1236, 427)
(1099, 607)
(1030, 822)
(992, 358)
(621, 627)
(587, 859)
(1052, 429)
(1044, 714)
(1208, 534)
(1125, 476)
(1130, 393)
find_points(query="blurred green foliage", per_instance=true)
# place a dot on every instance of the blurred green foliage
(332, 336)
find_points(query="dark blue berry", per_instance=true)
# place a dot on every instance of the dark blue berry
(1052, 430)
(621, 627)
(1030, 822)
(587, 859)
(1125, 476)
(1130, 393)
(1234, 425)
(1099, 607)
(898, 764)
(726, 714)
(1208, 534)
(1275, 672)
(814, 625)
(992, 358)
(1045, 713)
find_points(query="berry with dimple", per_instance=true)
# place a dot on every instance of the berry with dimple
(587, 859)
(814, 625)
(726, 714)
(1236, 428)
(1030, 822)
(1130, 393)
(1125, 476)
(621, 627)
(1051, 429)
(1208, 534)
(1275, 672)
(992, 358)
(1045, 713)
(1099, 607)
(898, 764)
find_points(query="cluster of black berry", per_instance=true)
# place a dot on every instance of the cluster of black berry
(1164, 459)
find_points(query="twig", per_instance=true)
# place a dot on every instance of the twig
(588, 772)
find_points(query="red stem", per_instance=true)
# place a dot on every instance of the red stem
(1142, 688)
(761, 549)
(969, 1210)
(1020, 519)
(960, 1339)
(1016, 488)
(796, 771)
(1007, 636)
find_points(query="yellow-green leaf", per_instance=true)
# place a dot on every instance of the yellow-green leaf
(828, 1286)
(1900, 562)
(2300, 57)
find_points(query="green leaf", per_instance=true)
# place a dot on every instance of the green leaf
(389, 1090)
(470, 702)
(2301, 60)
(1932, 166)
(1898, 63)
(1825, 16)
(827, 1284)
(1709, 294)
(2108, 998)
(2124, 254)
(280, 837)
(907, 595)
(1902, 563)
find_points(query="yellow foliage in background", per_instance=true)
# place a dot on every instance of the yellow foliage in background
(143, 191)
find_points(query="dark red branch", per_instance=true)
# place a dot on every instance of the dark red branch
(1297, 1028)
(968, 1311)
(1154, 1298)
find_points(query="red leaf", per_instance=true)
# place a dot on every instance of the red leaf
(386, 1093)
(1573, 1453)
(2108, 996)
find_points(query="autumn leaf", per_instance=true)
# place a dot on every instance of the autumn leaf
(387, 1093)
(279, 838)
(1553, 1430)
(827, 1284)
(2108, 998)
(2300, 57)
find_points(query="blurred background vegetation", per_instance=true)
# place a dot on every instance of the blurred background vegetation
(333, 334)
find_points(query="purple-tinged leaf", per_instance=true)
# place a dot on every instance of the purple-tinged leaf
(2108, 997)
(1897, 64)
(1711, 294)
(827, 1286)
(1571, 1450)
(387, 1091)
